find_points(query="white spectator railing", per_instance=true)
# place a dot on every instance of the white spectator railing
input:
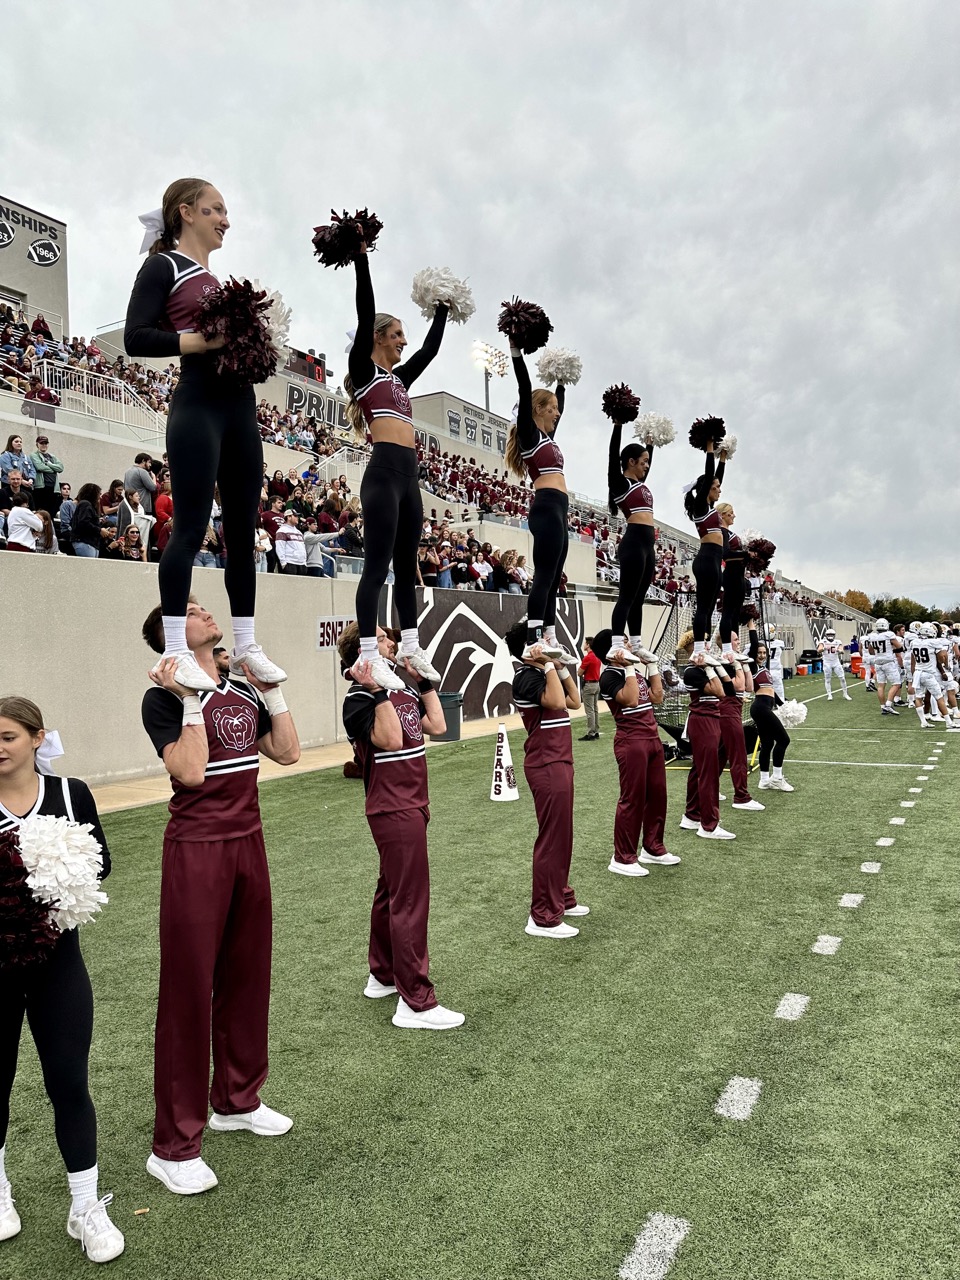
(102, 396)
(336, 465)
(53, 318)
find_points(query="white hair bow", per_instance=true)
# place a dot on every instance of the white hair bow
(50, 749)
(153, 225)
(514, 412)
(688, 488)
(352, 335)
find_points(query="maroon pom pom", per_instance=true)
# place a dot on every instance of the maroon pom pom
(525, 324)
(339, 243)
(235, 312)
(757, 555)
(620, 404)
(706, 429)
(749, 613)
(27, 934)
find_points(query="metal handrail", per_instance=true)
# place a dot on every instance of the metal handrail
(102, 396)
(31, 313)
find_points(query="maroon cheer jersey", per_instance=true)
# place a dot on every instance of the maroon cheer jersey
(226, 806)
(544, 459)
(384, 396)
(393, 780)
(632, 722)
(695, 680)
(636, 500)
(549, 736)
(189, 286)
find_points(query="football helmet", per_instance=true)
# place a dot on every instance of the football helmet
(830, 633)
(771, 630)
(915, 627)
(929, 631)
(883, 624)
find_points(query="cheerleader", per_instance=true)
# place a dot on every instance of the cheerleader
(698, 501)
(732, 580)
(706, 690)
(54, 993)
(532, 451)
(212, 432)
(377, 387)
(773, 736)
(627, 471)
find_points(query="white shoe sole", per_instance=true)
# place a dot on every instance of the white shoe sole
(688, 826)
(162, 1176)
(411, 1024)
(651, 860)
(379, 995)
(632, 870)
(578, 910)
(536, 931)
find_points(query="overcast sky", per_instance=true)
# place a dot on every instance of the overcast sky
(742, 209)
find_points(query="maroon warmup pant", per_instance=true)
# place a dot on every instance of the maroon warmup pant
(733, 747)
(401, 906)
(642, 807)
(215, 951)
(703, 781)
(552, 788)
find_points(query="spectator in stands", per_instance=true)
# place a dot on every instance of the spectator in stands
(40, 326)
(86, 534)
(460, 570)
(262, 548)
(13, 458)
(23, 525)
(278, 486)
(428, 563)
(47, 467)
(328, 521)
(480, 571)
(47, 544)
(350, 536)
(141, 478)
(163, 503)
(37, 391)
(13, 487)
(523, 575)
(321, 551)
(206, 557)
(65, 513)
(110, 503)
(290, 547)
(127, 546)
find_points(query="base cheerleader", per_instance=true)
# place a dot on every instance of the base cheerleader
(706, 688)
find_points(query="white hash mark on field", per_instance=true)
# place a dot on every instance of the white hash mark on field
(922, 777)
(897, 822)
(915, 791)
(791, 1007)
(885, 841)
(652, 1255)
(739, 1097)
(851, 899)
(871, 868)
(907, 804)
(826, 945)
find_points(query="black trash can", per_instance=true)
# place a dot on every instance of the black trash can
(452, 713)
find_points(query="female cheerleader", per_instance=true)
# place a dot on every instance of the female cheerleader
(212, 432)
(531, 450)
(54, 993)
(773, 736)
(733, 582)
(627, 470)
(390, 492)
(698, 501)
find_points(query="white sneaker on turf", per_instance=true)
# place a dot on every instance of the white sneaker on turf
(260, 665)
(717, 833)
(847, 697)
(829, 697)
(183, 1177)
(99, 1239)
(721, 796)
(376, 990)
(10, 1223)
(753, 805)
(579, 910)
(384, 674)
(764, 785)
(420, 663)
(264, 1121)
(436, 1019)
(189, 673)
(560, 930)
(779, 784)
(688, 824)
(659, 859)
(627, 868)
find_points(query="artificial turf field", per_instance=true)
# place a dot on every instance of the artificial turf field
(578, 1098)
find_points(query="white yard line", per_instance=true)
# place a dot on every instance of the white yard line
(655, 1249)
(826, 945)
(859, 764)
(871, 868)
(791, 1007)
(851, 899)
(739, 1097)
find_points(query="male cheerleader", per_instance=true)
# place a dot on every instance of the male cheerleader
(885, 651)
(545, 693)
(215, 910)
(830, 650)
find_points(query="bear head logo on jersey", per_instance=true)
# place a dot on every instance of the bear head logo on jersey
(409, 716)
(400, 398)
(236, 727)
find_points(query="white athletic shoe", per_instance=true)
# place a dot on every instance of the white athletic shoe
(420, 663)
(619, 654)
(376, 990)
(384, 674)
(264, 1121)
(261, 667)
(579, 910)
(829, 697)
(717, 833)
(847, 697)
(436, 1019)
(183, 1177)
(99, 1239)
(627, 868)
(688, 824)
(9, 1218)
(645, 655)
(721, 796)
(189, 672)
(560, 930)
(659, 860)
(753, 805)
(779, 784)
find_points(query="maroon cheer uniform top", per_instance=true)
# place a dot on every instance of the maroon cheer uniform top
(710, 523)
(762, 680)
(384, 396)
(393, 780)
(549, 736)
(544, 459)
(637, 500)
(226, 806)
(631, 722)
(695, 680)
(732, 546)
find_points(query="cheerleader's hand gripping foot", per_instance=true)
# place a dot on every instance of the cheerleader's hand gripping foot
(259, 664)
(376, 672)
(625, 656)
(420, 664)
(644, 654)
(100, 1240)
(187, 672)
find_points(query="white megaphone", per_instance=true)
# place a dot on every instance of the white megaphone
(504, 784)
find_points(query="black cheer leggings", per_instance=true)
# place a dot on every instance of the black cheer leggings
(58, 1001)
(212, 439)
(638, 562)
(774, 738)
(706, 573)
(548, 525)
(734, 589)
(392, 524)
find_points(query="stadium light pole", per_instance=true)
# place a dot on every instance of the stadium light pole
(491, 361)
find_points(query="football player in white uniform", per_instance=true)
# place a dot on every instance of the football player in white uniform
(947, 649)
(884, 648)
(830, 649)
(867, 665)
(928, 668)
(775, 648)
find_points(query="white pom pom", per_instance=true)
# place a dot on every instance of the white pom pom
(655, 429)
(792, 713)
(728, 445)
(277, 322)
(748, 535)
(438, 284)
(64, 863)
(558, 364)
